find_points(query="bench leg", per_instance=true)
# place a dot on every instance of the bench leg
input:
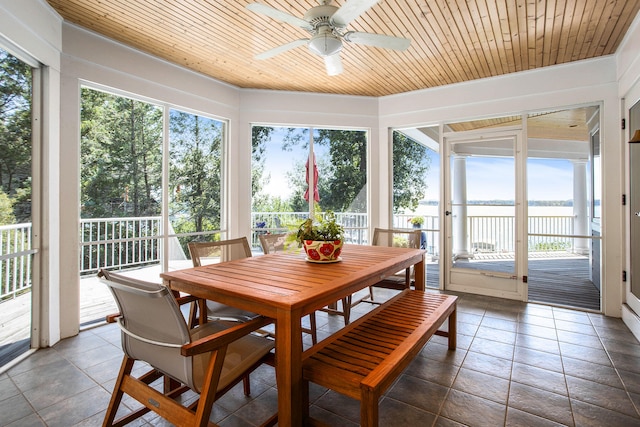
(453, 333)
(368, 408)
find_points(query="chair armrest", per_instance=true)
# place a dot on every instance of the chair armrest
(224, 338)
(186, 299)
(112, 318)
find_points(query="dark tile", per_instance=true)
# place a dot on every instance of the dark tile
(446, 422)
(52, 384)
(536, 320)
(500, 335)
(94, 356)
(537, 331)
(587, 415)
(329, 418)
(581, 328)
(467, 329)
(76, 408)
(631, 381)
(596, 372)
(624, 347)
(571, 316)
(469, 318)
(13, 409)
(433, 371)
(235, 399)
(501, 324)
(482, 385)
(540, 378)
(436, 351)
(340, 405)
(34, 420)
(625, 362)
(491, 365)
(260, 408)
(422, 394)
(395, 413)
(538, 343)
(537, 358)
(517, 418)
(602, 395)
(595, 355)
(473, 410)
(492, 348)
(528, 399)
(617, 334)
(7, 389)
(579, 339)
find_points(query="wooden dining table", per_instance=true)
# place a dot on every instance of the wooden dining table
(286, 287)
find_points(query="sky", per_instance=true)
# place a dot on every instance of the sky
(487, 178)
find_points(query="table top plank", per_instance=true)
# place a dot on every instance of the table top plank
(287, 281)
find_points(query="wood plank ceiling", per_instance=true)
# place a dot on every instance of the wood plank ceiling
(452, 40)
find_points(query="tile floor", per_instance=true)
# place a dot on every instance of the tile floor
(516, 364)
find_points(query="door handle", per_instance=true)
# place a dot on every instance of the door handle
(447, 213)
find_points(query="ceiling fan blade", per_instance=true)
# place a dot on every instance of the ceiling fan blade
(377, 40)
(279, 15)
(333, 64)
(350, 11)
(280, 49)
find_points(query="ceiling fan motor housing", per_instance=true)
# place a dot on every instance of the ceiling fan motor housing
(323, 42)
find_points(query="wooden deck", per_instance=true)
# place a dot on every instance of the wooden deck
(556, 281)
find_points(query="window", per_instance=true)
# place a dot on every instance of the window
(281, 159)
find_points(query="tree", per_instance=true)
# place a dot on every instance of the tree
(15, 131)
(411, 164)
(195, 172)
(121, 155)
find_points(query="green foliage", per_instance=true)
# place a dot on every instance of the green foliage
(6, 209)
(411, 164)
(121, 156)
(195, 172)
(553, 246)
(15, 132)
(417, 220)
(320, 227)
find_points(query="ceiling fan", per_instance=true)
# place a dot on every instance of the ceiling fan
(326, 25)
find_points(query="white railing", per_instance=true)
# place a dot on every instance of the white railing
(119, 242)
(355, 225)
(128, 242)
(15, 260)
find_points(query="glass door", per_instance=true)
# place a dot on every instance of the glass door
(484, 211)
(18, 187)
(633, 276)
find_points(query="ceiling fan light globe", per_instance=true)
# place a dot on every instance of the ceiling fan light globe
(325, 44)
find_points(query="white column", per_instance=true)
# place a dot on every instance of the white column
(580, 208)
(459, 208)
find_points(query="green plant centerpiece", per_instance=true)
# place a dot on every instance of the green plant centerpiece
(322, 238)
(417, 221)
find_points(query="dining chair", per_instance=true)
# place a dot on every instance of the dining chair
(209, 359)
(204, 253)
(274, 243)
(395, 237)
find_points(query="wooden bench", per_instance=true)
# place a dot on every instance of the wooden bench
(365, 358)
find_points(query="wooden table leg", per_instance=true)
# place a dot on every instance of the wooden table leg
(289, 368)
(420, 275)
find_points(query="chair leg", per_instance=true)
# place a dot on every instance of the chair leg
(346, 309)
(116, 396)
(247, 385)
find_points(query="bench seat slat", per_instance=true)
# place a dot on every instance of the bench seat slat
(366, 357)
